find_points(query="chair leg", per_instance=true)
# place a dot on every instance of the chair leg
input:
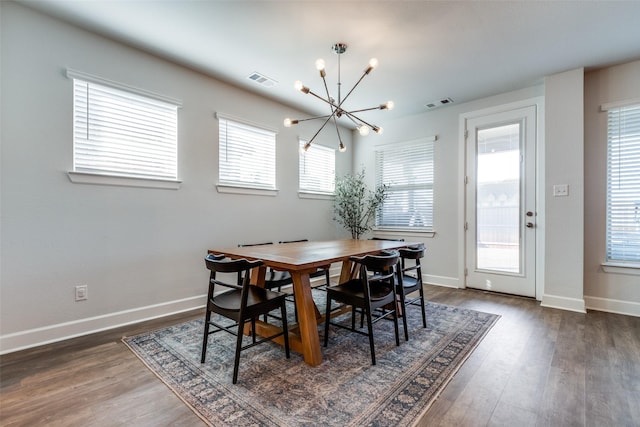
(370, 328)
(424, 316)
(236, 361)
(285, 328)
(404, 314)
(205, 339)
(327, 318)
(395, 326)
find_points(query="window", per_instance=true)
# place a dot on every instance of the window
(317, 169)
(247, 155)
(121, 133)
(623, 185)
(408, 170)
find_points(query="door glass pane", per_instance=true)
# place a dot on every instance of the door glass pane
(498, 199)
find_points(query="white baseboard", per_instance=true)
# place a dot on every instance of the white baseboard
(563, 303)
(613, 306)
(62, 331)
(448, 282)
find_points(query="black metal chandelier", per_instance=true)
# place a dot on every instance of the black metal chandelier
(336, 105)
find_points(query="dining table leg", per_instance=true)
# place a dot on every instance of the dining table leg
(307, 318)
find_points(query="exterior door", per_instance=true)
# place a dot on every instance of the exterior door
(500, 202)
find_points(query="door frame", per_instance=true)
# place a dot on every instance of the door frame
(538, 103)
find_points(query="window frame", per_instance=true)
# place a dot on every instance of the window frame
(239, 186)
(624, 265)
(429, 146)
(85, 174)
(316, 153)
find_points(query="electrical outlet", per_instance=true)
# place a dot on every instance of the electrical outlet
(561, 190)
(82, 292)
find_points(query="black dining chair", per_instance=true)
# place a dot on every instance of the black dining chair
(239, 303)
(410, 281)
(373, 289)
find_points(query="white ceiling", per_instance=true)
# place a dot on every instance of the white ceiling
(427, 50)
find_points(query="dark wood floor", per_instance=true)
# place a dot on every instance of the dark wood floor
(537, 366)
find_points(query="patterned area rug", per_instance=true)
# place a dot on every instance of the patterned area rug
(345, 390)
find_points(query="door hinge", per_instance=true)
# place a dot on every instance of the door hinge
(466, 226)
(466, 271)
(466, 180)
(466, 133)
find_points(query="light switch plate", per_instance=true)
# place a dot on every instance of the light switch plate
(561, 190)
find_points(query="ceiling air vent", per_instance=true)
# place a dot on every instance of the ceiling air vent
(439, 103)
(262, 80)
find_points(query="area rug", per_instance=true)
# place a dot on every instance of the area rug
(345, 390)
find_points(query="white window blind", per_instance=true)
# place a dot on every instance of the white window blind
(623, 185)
(408, 170)
(116, 132)
(317, 169)
(247, 155)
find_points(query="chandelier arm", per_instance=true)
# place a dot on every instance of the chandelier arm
(364, 109)
(314, 118)
(335, 122)
(322, 99)
(352, 116)
(352, 89)
(322, 127)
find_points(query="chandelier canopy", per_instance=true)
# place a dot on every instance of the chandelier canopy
(335, 105)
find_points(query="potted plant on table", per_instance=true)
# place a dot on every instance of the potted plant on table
(355, 205)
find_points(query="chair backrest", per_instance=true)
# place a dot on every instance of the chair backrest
(221, 264)
(293, 241)
(242, 245)
(382, 266)
(412, 252)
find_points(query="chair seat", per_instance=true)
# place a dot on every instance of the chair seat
(355, 289)
(409, 282)
(231, 300)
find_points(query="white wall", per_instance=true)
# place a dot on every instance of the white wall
(139, 250)
(608, 291)
(564, 216)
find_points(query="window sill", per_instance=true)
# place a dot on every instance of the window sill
(320, 196)
(121, 181)
(246, 190)
(402, 232)
(629, 269)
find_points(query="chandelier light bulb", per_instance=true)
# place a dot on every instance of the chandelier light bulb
(320, 64)
(364, 130)
(287, 122)
(389, 105)
(373, 62)
(342, 148)
(378, 130)
(298, 85)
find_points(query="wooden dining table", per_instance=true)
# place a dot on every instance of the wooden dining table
(301, 259)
